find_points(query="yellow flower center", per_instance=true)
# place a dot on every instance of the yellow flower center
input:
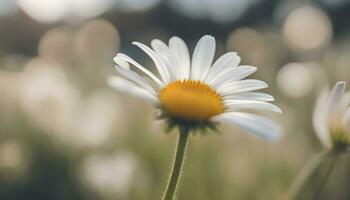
(190, 100)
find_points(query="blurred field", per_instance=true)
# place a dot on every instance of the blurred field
(64, 134)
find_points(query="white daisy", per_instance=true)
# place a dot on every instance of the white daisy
(331, 117)
(198, 92)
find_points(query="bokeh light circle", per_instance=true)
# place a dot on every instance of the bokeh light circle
(307, 28)
(44, 11)
(295, 80)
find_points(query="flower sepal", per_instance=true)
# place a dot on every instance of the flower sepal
(203, 126)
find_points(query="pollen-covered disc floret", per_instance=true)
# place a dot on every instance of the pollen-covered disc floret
(197, 92)
(190, 100)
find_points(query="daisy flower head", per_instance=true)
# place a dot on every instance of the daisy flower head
(331, 117)
(198, 92)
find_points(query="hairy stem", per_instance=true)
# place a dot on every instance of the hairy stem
(178, 162)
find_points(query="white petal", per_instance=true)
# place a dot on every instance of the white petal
(234, 105)
(180, 50)
(333, 102)
(344, 102)
(134, 77)
(235, 74)
(203, 56)
(131, 88)
(122, 63)
(163, 51)
(241, 86)
(255, 124)
(126, 58)
(346, 119)
(159, 63)
(319, 119)
(227, 61)
(258, 96)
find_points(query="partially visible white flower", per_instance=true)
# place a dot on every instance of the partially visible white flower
(331, 117)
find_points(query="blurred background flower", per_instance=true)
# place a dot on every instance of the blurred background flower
(112, 176)
(65, 135)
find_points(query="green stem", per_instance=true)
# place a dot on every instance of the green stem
(303, 176)
(179, 159)
(307, 173)
(325, 178)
